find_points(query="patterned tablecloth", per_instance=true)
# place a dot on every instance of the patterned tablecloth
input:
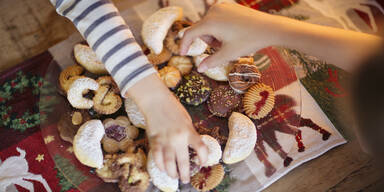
(23, 148)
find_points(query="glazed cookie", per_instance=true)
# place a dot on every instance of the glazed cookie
(194, 89)
(134, 114)
(243, 76)
(119, 134)
(85, 56)
(86, 144)
(79, 87)
(223, 101)
(68, 75)
(208, 178)
(241, 140)
(156, 26)
(159, 178)
(172, 41)
(170, 76)
(182, 63)
(259, 101)
(219, 73)
(70, 122)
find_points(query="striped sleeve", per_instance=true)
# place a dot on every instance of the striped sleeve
(107, 33)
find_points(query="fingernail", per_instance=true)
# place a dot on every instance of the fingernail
(202, 68)
(185, 181)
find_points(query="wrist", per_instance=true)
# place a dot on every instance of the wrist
(147, 92)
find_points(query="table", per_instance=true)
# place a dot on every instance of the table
(28, 28)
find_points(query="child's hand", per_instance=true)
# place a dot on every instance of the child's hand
(169, 127)
(239, 30)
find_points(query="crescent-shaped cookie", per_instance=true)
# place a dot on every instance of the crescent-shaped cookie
(241, 140)
(156, 27)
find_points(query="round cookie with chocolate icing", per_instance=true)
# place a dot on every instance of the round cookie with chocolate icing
(243, 76)
(194, 89)
(223, 101)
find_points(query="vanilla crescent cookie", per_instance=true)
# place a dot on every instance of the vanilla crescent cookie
(156, 26)
(85, 56)
(241, 140)
(197, 47)
(76, 91)
(86, 144)
(219, 73)
(134, 114)
(160, 178)
(214, 150)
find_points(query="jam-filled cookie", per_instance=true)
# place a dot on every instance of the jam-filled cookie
(119, 134)
(208, 178)
(258, 101)
(194, 89)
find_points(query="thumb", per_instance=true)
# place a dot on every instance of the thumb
(219, 58)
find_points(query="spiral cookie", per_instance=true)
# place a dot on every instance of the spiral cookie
(243, 76)
(194, 89)
(208, 178)
(119, 134)
(223, 100)
(108, 80)
(170, 76)
(259, 101)
(107, 99)
(182, 63)
(85, 56)
(68, 75)
(76, 90)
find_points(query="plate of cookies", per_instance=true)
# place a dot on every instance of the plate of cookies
(100, 142)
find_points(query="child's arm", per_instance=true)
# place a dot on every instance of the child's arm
(242, 31)
(170, 128)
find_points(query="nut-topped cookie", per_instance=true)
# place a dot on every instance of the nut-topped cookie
(194, 89)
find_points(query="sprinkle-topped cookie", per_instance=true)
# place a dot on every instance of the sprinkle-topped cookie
(223, 101)
(194, 90)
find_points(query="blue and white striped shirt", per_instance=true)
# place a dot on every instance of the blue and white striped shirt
(107, 33)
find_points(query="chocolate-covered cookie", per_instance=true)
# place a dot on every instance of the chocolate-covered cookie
(194, 89)
(223, 101)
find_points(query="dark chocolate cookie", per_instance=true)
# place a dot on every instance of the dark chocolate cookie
(194, 89)
(223, 101)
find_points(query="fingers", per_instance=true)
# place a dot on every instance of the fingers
(191, 34)
(200, 148)
(182, 157)
(157, 153)
(220, 58)
(170, 161)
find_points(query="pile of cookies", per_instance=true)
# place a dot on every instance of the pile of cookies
(109, 137)
(240, 91)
